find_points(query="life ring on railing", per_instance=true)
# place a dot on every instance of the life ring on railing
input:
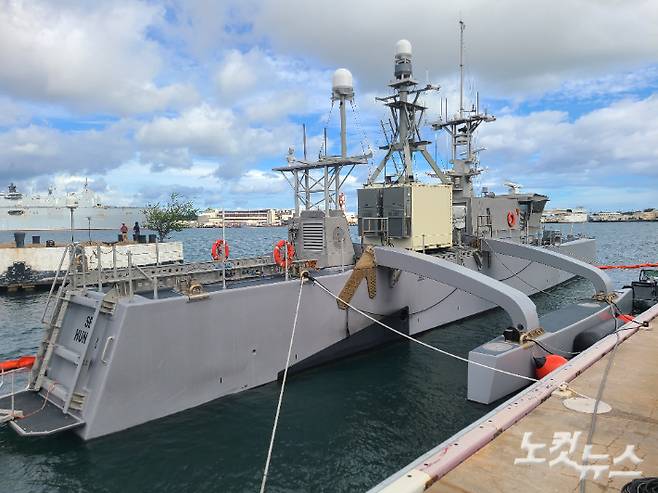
(511, 219)
(280, 256)
(14, 364)
(216, 250)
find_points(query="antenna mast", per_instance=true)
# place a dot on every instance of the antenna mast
(318, 184)
(462, 26)
(461, 129)
(407, 115)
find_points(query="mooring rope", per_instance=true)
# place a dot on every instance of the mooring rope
(424, 344)
(406, 336)
(283, 388)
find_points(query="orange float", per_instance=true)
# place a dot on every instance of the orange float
(217, 250)
(511, 219)
(633, 266)
(14, 364)
(546, 364)
(282, 250)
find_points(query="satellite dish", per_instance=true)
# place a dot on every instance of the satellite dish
(514, 188)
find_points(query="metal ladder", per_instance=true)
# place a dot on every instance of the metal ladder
(74, 399)
(62, 297)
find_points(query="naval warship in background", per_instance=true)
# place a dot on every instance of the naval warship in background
(142, 344)
(51, 212)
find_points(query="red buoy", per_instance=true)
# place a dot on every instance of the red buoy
(547, 364)
(14, 364)
(625, 318)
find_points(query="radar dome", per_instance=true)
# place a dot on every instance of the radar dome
(403, 49)
(342, 79)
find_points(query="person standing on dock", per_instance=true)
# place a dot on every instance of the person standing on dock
(124, 231)
(136, 231)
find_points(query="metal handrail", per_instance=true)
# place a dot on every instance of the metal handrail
(380, 222)
(154, 281)
(54, 284)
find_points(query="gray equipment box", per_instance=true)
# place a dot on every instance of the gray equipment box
(411, 215)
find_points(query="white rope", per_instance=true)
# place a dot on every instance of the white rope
(283, 388)
(428, 346)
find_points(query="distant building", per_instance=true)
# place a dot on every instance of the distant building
(212, 218)
(577, 215)
(284, 215)
(607, 217)
(352, 218)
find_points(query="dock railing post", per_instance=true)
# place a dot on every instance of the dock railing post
(285, 256)
(114, 260)
(157, 251)
(100, 270)
(154, 279)
(130, 275)
(83, 260)
(223, 249)
(72, 268)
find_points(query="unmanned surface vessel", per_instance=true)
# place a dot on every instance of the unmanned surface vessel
(127, 346)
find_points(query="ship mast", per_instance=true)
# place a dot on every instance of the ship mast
(461, 128)
(407, 114)
(462, 26)
(317, 184)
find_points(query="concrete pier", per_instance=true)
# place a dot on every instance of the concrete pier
(551, 459)
(35, 265)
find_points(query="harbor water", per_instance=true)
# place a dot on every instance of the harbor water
(344, 426)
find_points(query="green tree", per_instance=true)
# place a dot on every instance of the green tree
(169, 217)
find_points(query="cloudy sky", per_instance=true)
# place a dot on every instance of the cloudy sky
(205, 97)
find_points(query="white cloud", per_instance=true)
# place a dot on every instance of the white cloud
(513, 47)
(12, 114)
(606, 146)
(260, 182)
(239, 73)
(90, 57)
(35, 150)
(205, 97)
(266, 87)
(210, 132)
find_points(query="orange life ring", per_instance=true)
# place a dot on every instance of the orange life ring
(216, 250)
(279, 257)
(511, 219)
(14, 364)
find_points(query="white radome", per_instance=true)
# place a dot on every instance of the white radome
(342, 79)
(403, 49)
(71, 202)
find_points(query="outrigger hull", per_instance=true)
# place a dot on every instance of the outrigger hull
(149, 358)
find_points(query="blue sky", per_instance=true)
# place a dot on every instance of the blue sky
(204, 98)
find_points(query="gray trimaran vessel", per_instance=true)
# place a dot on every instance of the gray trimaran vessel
(123, 347)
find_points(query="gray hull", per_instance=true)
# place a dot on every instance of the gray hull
(46, 218)
(152, 358)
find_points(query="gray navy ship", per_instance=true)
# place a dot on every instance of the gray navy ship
(51, 212)
(123, 347)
